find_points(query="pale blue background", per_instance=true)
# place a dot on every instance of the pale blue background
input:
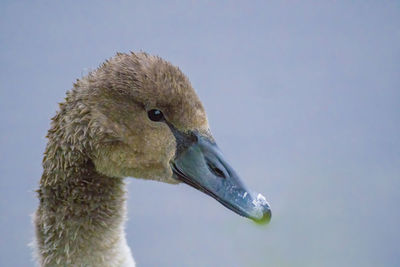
(303, 98)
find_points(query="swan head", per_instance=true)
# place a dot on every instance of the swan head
(146, 121)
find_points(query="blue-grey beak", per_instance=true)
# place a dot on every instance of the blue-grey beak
(202, 165)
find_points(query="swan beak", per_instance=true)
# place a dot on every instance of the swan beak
(202, 165)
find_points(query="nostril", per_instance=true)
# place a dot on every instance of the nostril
(214, 169)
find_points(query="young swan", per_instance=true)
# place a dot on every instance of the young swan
(135, 116)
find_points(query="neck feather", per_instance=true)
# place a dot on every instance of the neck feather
(80, 219)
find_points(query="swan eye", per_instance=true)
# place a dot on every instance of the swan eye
(155, 115)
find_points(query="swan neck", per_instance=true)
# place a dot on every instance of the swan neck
(80, 219)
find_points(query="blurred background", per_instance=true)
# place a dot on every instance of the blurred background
(302, 97)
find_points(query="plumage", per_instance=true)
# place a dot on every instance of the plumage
(102, 134)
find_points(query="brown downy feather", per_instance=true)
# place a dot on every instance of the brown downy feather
(100, 135)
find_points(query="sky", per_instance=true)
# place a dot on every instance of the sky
(303, 98)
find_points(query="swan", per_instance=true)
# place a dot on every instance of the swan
(137, 115)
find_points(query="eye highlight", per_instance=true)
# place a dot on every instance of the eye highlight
(155, 115)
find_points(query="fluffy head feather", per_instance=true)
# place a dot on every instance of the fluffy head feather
(106, 112)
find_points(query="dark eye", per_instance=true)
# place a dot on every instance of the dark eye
(155, 115)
